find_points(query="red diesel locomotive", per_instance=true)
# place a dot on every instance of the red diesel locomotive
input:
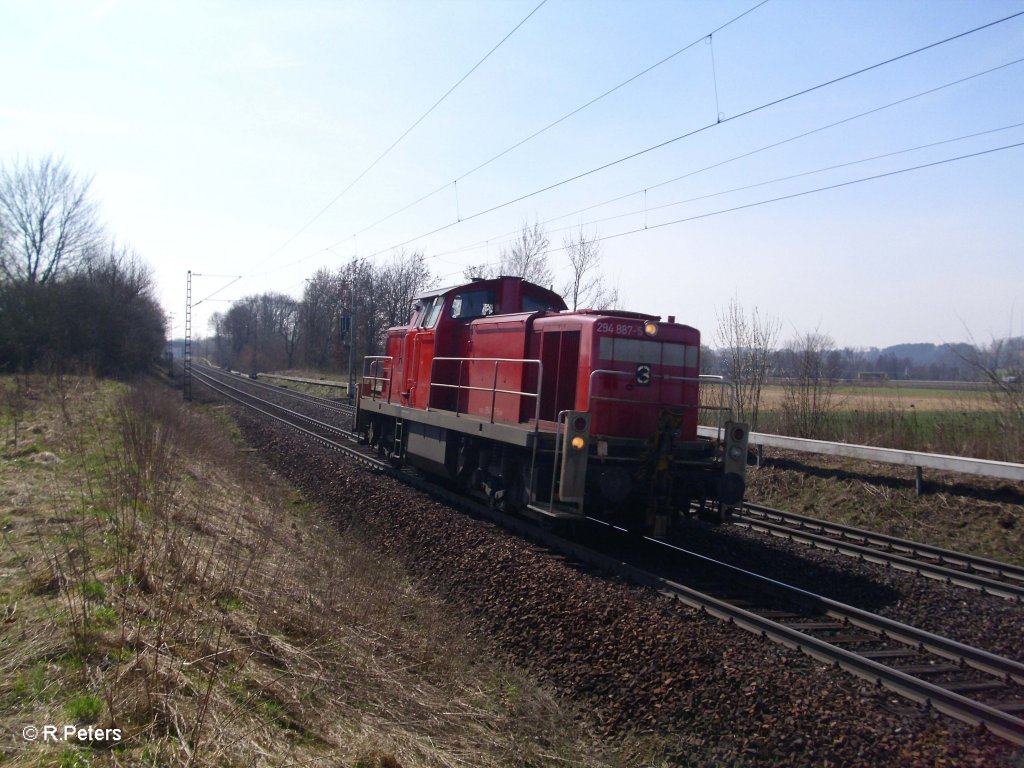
(496, 387)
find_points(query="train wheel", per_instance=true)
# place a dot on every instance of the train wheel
(712, 512)
(513, 483)
(380, 437)
(465, 462)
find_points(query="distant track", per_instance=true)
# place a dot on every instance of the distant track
(319, 402)
(227, 385)
(987, 576)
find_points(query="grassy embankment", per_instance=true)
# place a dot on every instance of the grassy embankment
(155, 580)
(959, 512)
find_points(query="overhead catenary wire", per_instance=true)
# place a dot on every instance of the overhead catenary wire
(562, 119)
(222, 288)
(734, 158)
(504, 237)
(816, 190)
(492, 239)
(695, 131)
(397, 141)
(804, 193)
(827, 168)
(648, 209)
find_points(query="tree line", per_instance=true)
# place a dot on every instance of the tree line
(71, 297)
(810, 366)
(344, 313)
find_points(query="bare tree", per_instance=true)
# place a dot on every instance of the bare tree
(745, 345)
(586, 286)
(1000, 364)
(277, 329)
(481, 271)
(527, 258)
(48, 221)
(812, 370)
(288, 327)
(240, 329)
(400, 280)
(102, 316)
(321, 302)
(216, 325)
(365, 303)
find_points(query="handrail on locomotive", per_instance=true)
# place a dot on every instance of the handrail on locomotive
(374, 363)
(493, 390)
(379, 369)
(721, 409)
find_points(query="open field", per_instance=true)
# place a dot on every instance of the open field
(901, 399)
(977, 424)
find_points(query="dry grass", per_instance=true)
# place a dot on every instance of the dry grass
(155, 581)
(979, 424)
(963, 513)
(329, 390)
(882, 398)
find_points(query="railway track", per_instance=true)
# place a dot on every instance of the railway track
(322, 403)
(963, 682)
(987, 576)
(966, 683)
(239, 390)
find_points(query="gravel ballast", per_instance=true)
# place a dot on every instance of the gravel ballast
(713, 694)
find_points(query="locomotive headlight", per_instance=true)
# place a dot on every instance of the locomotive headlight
(578, 443)
(651, 328)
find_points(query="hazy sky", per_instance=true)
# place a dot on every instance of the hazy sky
(216, 132)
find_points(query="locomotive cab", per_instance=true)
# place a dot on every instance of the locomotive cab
(494, 386)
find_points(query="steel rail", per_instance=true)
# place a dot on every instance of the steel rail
(1007, 669)
(996, 568)
(319, 402)
(919, 559)
(928, 694)
(302, 397)
(209, 381)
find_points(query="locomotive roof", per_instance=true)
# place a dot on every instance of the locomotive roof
(488, 280)
(439, 291)
(617, 313)
(541, 289)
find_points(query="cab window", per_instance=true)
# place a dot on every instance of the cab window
(470, 304)
(431, 311)
(535, 304)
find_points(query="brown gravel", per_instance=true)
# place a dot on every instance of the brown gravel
(714, 695)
